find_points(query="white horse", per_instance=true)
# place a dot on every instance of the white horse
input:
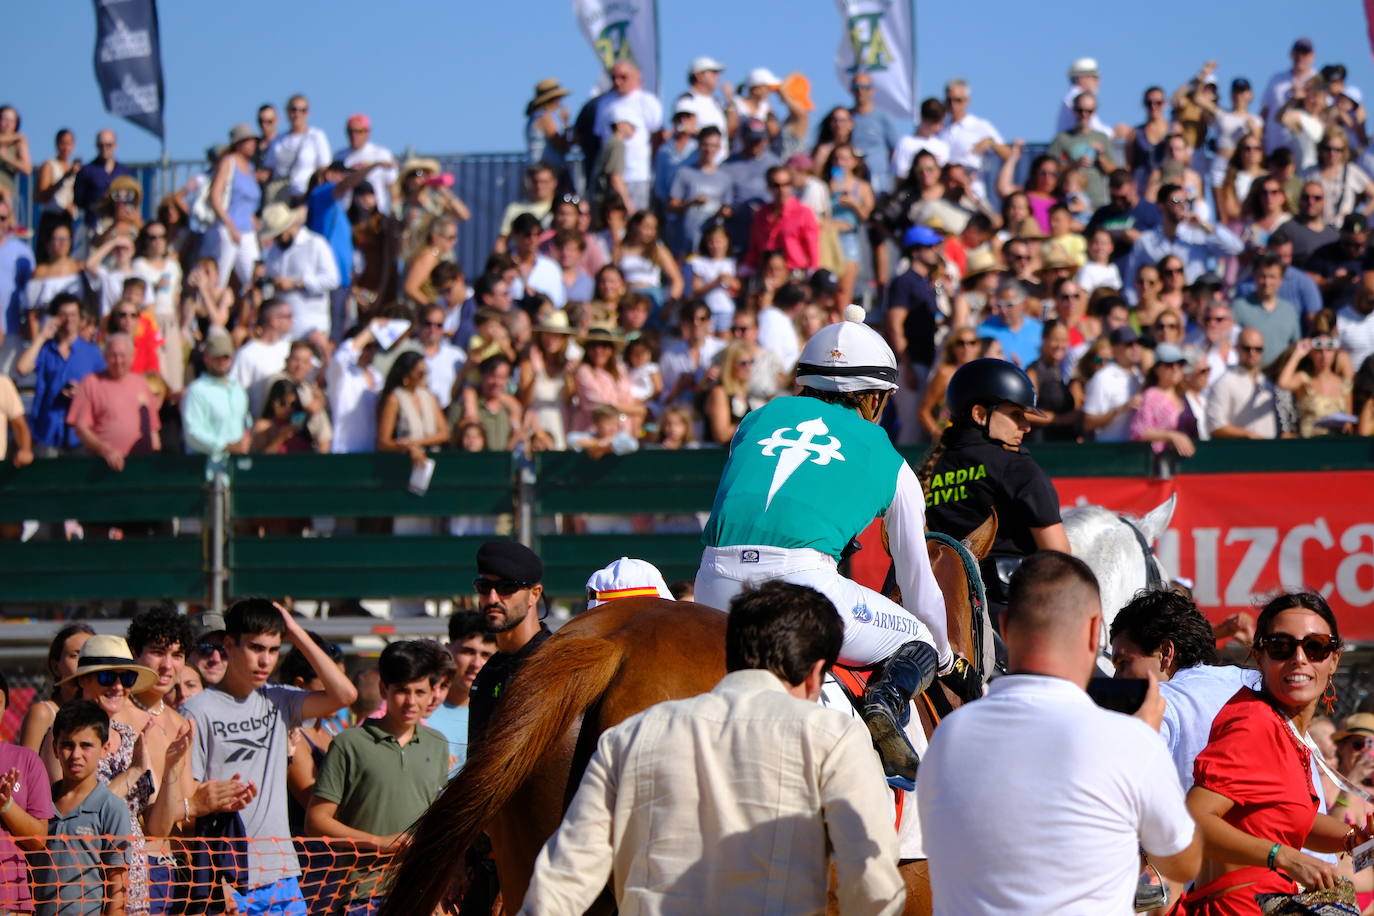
(1120, 551)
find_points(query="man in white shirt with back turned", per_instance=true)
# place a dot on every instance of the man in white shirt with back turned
(1088, 788)
(737, 800)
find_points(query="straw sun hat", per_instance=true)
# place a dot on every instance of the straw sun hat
(111, 653)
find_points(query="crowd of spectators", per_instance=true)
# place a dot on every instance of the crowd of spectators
(178, 733)
(677, 265)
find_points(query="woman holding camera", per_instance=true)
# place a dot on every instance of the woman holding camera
(1253, 797)
(1321, 382)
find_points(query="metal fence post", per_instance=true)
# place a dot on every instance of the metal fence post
(525, 481)
(219, 502)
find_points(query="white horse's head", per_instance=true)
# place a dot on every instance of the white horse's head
(1120, 551)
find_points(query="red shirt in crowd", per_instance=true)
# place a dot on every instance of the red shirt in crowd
(1254, 759)
(147, 342)
(793, 231)
(121, 412)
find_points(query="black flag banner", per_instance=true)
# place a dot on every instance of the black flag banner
(128, 61)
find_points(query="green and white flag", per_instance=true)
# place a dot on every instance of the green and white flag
(880, 40)
(622, 30)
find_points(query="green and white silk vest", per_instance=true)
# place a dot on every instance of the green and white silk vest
(802, 473)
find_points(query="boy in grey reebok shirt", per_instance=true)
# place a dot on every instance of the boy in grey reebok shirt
(241, 730)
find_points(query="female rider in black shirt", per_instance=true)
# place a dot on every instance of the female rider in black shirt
(980, 465)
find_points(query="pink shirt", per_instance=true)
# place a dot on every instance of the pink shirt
(794, 230)
(1157, 411)
(597, 386)
(122, 413)
(35, 798)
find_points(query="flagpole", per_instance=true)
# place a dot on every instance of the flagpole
(165, 181)
(915, 99)
(658, 56)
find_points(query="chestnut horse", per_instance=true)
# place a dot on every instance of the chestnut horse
(599, 669)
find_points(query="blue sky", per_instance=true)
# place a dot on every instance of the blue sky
(454, 75)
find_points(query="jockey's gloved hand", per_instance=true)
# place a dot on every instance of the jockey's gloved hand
(963, 679)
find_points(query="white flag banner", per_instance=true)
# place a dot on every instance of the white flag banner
(880, 40)
(622, 30)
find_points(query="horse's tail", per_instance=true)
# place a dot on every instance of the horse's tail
(553, 688)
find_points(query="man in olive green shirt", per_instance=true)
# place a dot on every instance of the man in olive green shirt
(378, 778)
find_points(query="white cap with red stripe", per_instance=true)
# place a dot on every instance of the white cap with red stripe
(626, 578)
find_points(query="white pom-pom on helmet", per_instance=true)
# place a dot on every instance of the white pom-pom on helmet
(847, 356)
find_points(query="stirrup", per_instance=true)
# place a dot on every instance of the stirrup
(901, 782)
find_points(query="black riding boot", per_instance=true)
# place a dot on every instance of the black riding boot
(887, 706)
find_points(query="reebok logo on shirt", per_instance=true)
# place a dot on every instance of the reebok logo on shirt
(246, 749)
(225, 729)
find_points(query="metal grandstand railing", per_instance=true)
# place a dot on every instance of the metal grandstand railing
(487, 182)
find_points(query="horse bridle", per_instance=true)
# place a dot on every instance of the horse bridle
(1153, 580)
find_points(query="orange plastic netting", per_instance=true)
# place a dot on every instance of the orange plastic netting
(184, 875)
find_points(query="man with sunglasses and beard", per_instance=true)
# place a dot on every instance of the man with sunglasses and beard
(508, 592)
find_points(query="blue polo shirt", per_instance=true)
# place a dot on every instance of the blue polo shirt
(52, 374)
(326, 215)
(81, 847)
(1021, 347)
(16, 268)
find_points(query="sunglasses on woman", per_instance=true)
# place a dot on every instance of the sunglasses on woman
(108, 678)
(1359, 744)
(1280, 646)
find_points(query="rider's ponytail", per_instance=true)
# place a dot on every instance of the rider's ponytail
(927, 468)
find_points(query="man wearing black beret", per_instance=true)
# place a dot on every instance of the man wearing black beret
(508, 589)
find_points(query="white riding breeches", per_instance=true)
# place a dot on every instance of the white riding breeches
(874, 626)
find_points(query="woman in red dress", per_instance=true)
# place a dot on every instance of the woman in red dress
(1253, 797)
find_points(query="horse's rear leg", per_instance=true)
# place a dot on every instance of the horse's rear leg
(916, 876)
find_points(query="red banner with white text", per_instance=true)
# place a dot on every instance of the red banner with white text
(1239, 537)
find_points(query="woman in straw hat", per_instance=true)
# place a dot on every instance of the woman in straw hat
(546, 124)
(602, 379)
(424, 194)
(120, 208)
(107, 674)
(546, 385)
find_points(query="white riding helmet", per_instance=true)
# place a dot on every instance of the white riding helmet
(847, 356)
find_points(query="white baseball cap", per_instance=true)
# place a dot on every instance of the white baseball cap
(761, 76)
(626, 578)
(623, 111)
(707, 64)
(1084, 66)
(847, 356)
